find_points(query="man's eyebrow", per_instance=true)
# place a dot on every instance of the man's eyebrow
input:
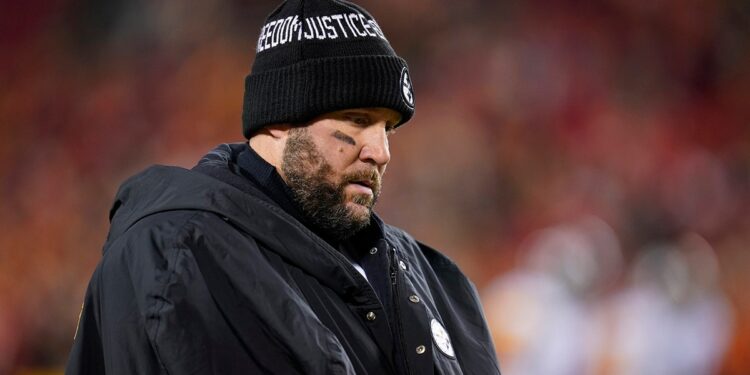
(343, 137)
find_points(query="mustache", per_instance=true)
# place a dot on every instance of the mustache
(370, 178)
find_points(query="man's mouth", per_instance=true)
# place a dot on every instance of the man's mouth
(364, 186)
(365, 183)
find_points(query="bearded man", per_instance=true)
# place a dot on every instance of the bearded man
(267, 257)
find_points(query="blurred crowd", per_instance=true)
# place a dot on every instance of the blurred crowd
(587, 163)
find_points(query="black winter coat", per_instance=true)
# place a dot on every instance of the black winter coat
(202, 274)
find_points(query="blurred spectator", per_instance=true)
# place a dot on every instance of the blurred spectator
(543, 314)
(673, 318)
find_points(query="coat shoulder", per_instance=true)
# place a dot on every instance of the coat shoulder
(438, 261)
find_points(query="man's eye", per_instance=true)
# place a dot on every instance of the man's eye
(359, 120)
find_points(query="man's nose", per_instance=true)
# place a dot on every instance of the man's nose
(375, 149)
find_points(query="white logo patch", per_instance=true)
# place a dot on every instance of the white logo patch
(406, 88)
(441, 338)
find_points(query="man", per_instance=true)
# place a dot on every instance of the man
(266, 257)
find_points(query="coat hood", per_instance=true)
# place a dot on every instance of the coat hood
(212, 186)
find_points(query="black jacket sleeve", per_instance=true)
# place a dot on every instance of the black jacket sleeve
(150, 310)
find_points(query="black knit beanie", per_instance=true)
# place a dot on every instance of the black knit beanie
(319, 56)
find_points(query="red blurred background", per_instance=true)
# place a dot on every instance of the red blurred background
(587, 163)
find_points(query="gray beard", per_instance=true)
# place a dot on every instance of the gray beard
(324, 203)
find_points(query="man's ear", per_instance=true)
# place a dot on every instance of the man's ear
(278, 131)
(270, 141)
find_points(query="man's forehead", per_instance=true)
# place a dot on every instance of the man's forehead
(376, 113)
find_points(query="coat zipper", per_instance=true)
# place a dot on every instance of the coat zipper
(399, 329)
